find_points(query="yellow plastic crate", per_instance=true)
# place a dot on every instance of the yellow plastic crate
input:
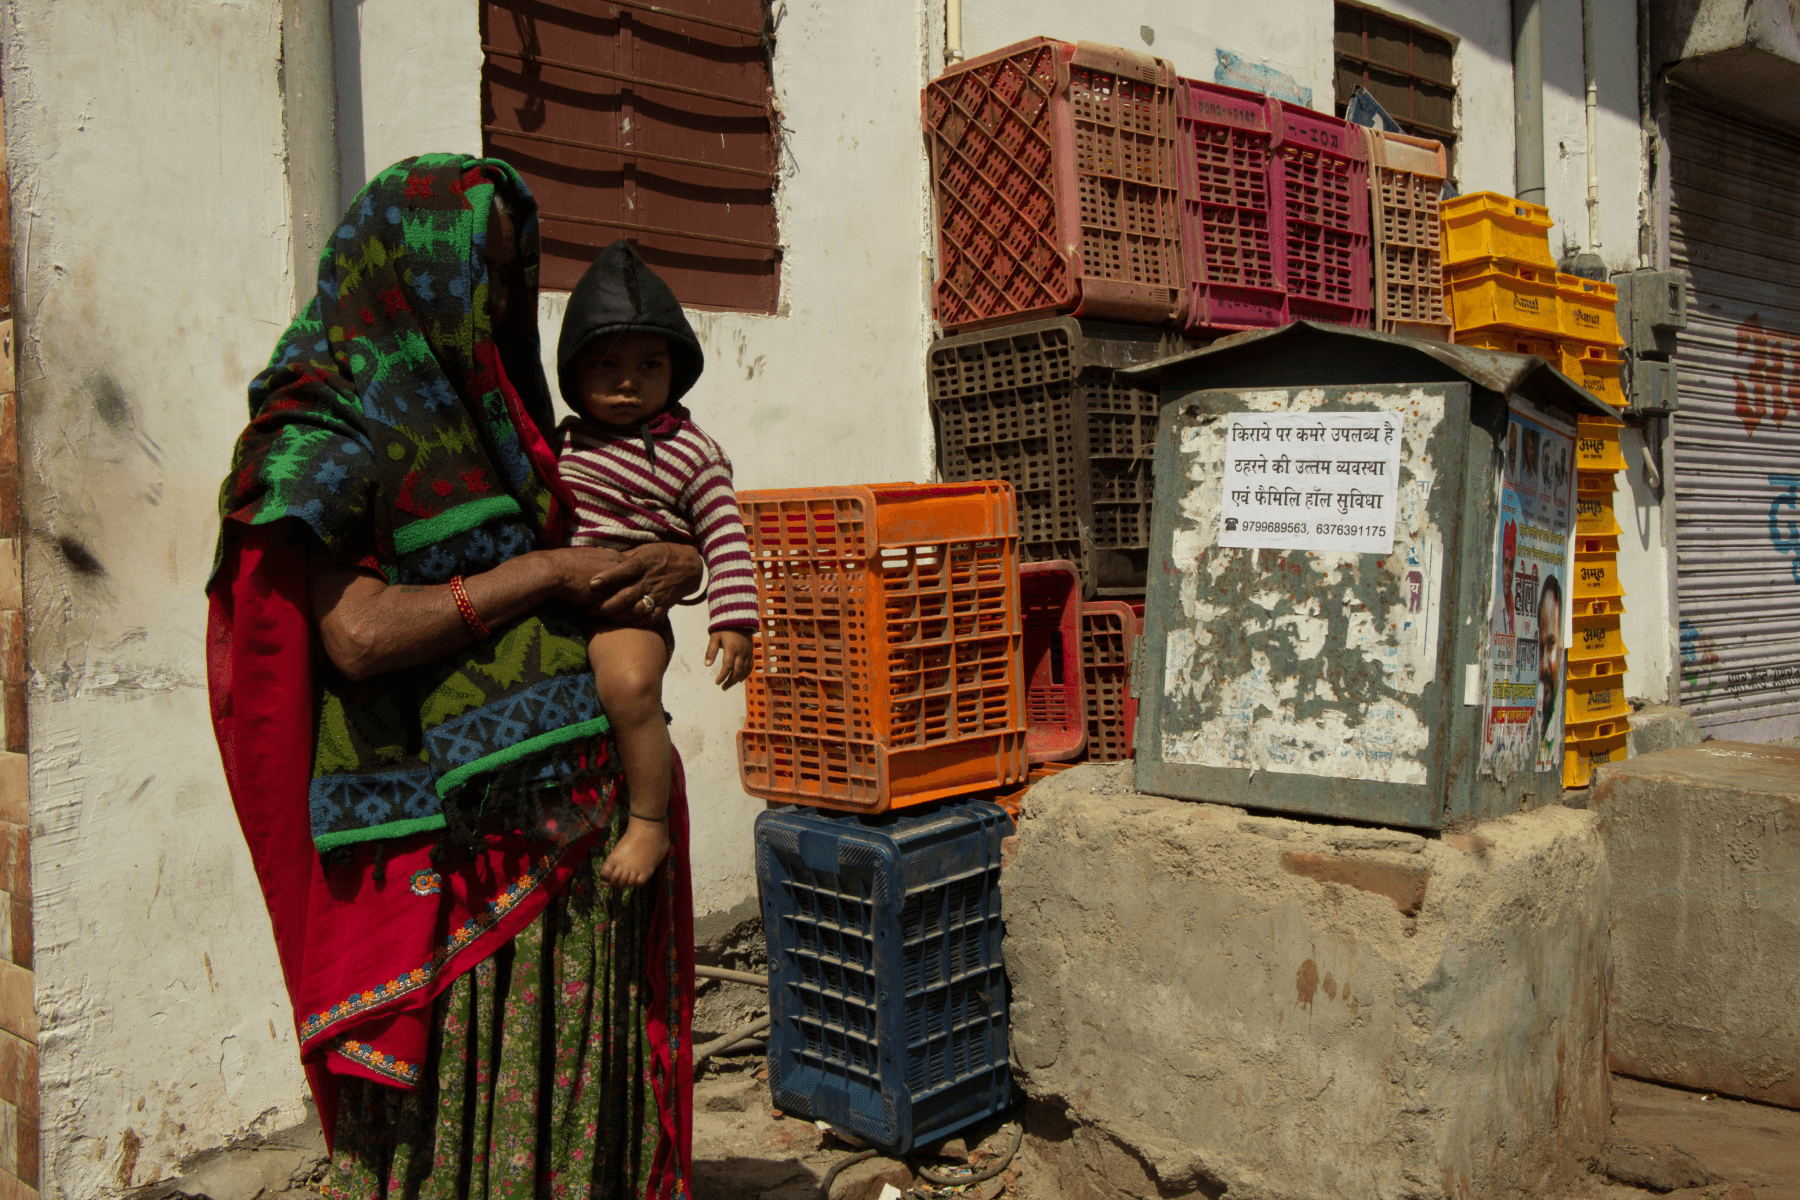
(1594, 514)
(1581, 757)
(1595, 367)
(1597, 444)
(1500, 292)
(1588, 310)
(1596, 638)
(1511, 341)
(1589, 670)
(1597, 700)
(1597, 577)
(1490, 225)
(1600, 484)
(1596, 543)
(1600, 606)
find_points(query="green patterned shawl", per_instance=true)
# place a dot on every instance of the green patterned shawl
(385, 424)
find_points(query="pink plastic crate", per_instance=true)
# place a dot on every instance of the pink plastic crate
(1053, 169)
(1228, 231)
(1322, 201)
(1055, 712)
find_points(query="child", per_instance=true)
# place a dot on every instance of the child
(642, 471)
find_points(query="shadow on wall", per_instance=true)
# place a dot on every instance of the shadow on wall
(346, 36)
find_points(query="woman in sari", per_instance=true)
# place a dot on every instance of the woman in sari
(412, 737)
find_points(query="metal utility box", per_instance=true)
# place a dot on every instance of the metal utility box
(1360, 583)
(1655, 388)
(1652, 309)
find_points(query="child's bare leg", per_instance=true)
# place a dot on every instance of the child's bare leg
(628, 668)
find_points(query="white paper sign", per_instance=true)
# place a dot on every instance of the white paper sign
(1311, 481)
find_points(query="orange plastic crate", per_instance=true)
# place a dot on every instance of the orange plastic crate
(888, 660)
(1109, 633)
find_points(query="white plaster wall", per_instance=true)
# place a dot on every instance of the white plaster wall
(403, 71)
(150, 220)
(1293, 38)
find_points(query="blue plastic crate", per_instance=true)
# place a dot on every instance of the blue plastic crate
(886, 987)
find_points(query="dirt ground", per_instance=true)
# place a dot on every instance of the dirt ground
(742, 1151)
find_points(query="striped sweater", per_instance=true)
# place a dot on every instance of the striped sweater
(624, 498)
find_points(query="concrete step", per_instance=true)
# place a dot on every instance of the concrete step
(1704, 847)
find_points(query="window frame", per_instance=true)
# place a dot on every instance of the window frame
(608, 92)
(1361, 64)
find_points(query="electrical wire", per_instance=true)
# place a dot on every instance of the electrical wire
(839, 1165)
(982, 1176)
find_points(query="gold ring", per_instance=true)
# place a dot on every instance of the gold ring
(648, 603)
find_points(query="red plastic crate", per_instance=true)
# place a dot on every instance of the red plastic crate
(1109, 633)
(1228, 235)
(888, 652)
(1322, 202)
(1053, 169)
(1406, 187)
(1055, 712)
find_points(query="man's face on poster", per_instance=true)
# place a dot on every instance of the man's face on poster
(1549, 651)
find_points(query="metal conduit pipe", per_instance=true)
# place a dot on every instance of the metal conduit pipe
(1528, 100)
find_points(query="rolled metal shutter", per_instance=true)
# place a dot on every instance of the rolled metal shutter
(1734, 227)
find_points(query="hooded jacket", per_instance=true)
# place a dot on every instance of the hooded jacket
(619, 294)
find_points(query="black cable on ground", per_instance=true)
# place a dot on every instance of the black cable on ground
(986, 1173)
(839, 1165)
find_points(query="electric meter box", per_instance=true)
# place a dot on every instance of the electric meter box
(1362, 577)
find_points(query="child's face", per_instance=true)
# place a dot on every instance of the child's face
(625, 380)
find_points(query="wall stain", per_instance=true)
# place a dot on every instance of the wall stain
(1306, 982)
(129, 1145)
(79, 558)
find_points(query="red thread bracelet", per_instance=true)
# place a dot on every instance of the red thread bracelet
(470, 617)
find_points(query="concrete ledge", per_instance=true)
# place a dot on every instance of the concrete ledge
(1229, 1005)
(1704, 844)
(1663, 727)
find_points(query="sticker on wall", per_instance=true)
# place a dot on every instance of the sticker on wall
(1311, 481)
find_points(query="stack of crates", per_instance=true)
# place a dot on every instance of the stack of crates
(1499, 274)
(887, 992)
(1095, 211)
(888, 656)
(1590, 350)
(1596, 727)
(1406, 187)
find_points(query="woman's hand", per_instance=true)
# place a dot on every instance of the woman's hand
(576, 570)
(662, 572)
(733, 649)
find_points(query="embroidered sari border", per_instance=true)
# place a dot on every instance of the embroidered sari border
(513, 753)
(361, 1004)
(378, 1061)
(451, 522)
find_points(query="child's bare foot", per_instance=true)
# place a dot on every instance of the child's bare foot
(641, 848)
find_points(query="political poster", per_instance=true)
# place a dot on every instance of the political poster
(1528, 626)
